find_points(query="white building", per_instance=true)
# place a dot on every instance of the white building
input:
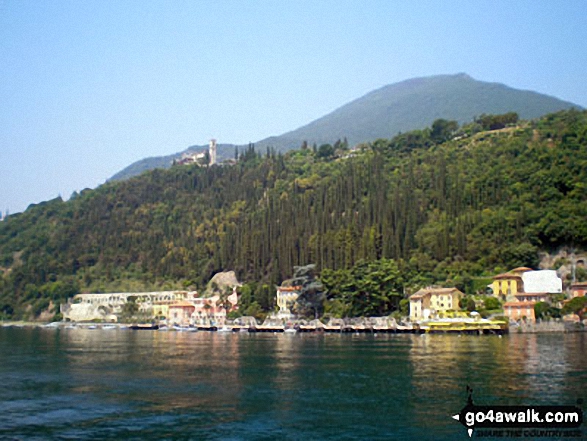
(544, 281)
(84, 307)
(286, 297)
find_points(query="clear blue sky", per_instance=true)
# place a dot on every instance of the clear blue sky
(89, 86)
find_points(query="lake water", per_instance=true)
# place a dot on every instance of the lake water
(119, 384)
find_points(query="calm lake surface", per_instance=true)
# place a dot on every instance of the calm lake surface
(119, 384)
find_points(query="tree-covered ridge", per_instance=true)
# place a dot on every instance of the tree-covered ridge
(439, 205)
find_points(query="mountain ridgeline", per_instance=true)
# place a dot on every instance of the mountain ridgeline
(440, 205)
(408, 105)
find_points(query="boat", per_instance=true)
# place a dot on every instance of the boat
(290, 331)
(146, 327)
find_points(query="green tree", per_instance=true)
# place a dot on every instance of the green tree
(325, 151)
(468, 303)
(443, 130)
(495, 122)
(577, 305)
(543, 310)
(491, 303)
(310, 302)
(130, 308)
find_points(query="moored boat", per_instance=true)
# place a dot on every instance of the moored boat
(144, 327)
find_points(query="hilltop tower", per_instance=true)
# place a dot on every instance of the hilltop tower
(212, 151)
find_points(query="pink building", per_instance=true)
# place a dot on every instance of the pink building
(518, 310)
(211, 311)
(180, 313)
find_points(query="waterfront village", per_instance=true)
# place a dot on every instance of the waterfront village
(431, 309)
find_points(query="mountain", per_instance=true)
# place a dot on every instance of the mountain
(400, 107)
(419, 209)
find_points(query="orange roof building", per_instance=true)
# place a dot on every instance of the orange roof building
(578, 289)
(519, 310)
(180, 313)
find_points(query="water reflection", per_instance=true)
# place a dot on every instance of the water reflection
(161, 371)
(215, 386)
(516, 369)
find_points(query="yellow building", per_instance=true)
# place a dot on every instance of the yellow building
(508, 284)
(430, 302)
(160, 311)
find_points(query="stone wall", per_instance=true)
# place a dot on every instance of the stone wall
(547, 326)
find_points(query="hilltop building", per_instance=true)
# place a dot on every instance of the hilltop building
(430, 302)
(212, 151)
(191, 158)
(200, 157)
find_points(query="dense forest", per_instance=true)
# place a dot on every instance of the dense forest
(443, 205)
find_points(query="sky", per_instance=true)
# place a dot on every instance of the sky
(89, 87)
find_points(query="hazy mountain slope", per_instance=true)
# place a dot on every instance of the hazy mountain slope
(415, 104)
(400, 107)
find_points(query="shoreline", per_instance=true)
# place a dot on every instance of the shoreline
(530, 328)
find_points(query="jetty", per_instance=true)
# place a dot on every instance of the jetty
(364, 325)
(470, 327)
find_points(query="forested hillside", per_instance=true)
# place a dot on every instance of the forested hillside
(439, 205)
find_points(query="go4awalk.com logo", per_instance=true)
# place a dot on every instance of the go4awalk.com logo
(521, 421)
